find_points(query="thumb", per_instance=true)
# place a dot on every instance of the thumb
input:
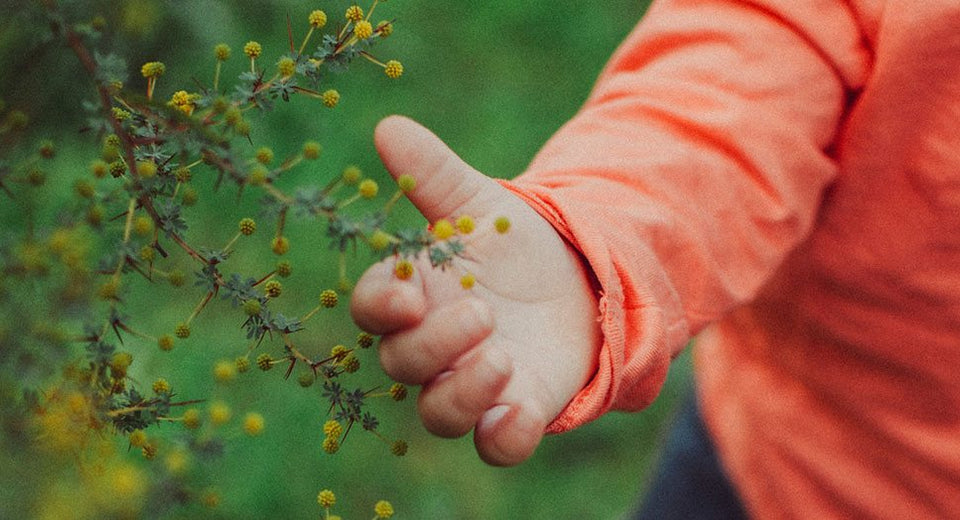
(445, 184)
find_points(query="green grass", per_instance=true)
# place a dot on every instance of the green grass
(494, 80)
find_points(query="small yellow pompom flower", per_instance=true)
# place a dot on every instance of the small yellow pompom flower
(502, 224)
(219, 412)
(251, 307)
(161, 386)
(311, 150)
(403, 270)
(191, 419)
(284, 269)
(383, 509)
(317, 19)
(443, 229)
(330, 98)
(224, 371)
(222, 52)
(258, 176)
(143, 225)
(253, 424)
(182, 331)
(153, 69)
(177, 462)
(406, 183)
(398, 392)
(247, 226)
(399, 448)
(165, 342)
(393, 69)
(264, 155)
(148, 253)
(351, 175)
(280, 245)
(286, 67)
(465, 224)
(332, 428)
(243, 364)
(385, 29)
(252, 49)
(354, 13)
(264, 362)
(326, 498)
(379, 240)
(329, 298)
(138, 438)
(368, 188)
(338, 351)
(365, 340)
(331, 445)
(210, 498)
(467, 281)
(273, 288)
(149, 451)
(363, 30)
(99, 168)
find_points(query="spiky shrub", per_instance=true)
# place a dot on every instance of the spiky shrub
(69, 330)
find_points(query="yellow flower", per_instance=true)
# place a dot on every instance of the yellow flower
(326, 498)
(502, 224)
(264, 155)
(331, 98)
(383, 509)
(153, 69)
(247, 226)
(161, 386)
(443, 229)
(354, 13)
(273, 289)
(224, 371)
(368, 188)
(403, 270)
(286, 66)
(311, 150)
(406, 183)
(317, 19)
(385, 28)
(393, 69)
(468, 281)
(222, 52)
(332, 428)
(219, 412)
(280, 245)
(252, 49)
(363, 30)
(191, 419)
(465, 224)
(253, 424)
(351, 175)
(329, 298)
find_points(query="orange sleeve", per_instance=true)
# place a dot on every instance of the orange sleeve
(696, 165)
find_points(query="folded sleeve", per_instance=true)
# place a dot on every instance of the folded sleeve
(696, 165)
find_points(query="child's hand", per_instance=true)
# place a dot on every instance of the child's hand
(505, 357)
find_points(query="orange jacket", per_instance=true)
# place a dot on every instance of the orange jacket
(784, 176)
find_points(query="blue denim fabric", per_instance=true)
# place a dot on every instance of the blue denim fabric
(689, 483)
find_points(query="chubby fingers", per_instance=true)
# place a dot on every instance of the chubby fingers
(508, 434)
(453, 402)
(418, 354)
(383, 304)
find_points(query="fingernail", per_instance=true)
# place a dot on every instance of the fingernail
(493, 416)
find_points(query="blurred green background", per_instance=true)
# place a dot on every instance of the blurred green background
(494, 80)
